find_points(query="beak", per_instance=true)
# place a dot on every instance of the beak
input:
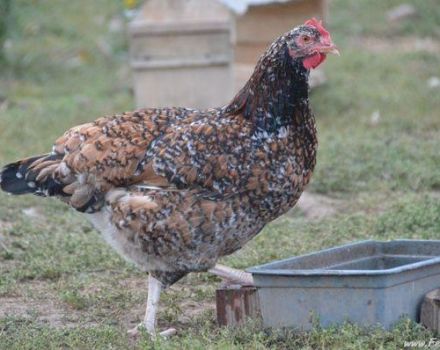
(329, 49)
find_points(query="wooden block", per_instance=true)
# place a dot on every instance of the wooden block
(430, 311)
(235, 304)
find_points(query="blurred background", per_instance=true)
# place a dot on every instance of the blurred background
(67, 62)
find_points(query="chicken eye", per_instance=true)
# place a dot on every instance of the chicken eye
(306, 39)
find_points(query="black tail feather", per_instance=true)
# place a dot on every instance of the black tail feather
(12, 180)
(17, 178)
(21, 178)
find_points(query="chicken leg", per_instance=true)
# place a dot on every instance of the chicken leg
(149, 322)
(233, 275)
(155, 288)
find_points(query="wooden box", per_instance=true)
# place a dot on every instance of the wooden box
(182, 54)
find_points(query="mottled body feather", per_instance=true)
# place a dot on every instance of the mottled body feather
(175, 189)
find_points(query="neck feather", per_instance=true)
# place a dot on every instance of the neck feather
(276, 95)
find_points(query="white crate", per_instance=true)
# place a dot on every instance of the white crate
(182, 54)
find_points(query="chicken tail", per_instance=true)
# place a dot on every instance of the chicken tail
(46, 175)
(32, 175)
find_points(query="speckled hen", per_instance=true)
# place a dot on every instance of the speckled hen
(175, 189)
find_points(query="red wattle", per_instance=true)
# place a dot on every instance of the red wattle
(314, 61)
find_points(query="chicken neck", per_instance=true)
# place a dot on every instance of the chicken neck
(276, 94)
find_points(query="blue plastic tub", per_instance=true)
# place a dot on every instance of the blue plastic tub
(369, 283)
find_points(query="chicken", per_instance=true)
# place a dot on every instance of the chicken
(174, 189)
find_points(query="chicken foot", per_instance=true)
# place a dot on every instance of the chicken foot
(232, 275)
(155, 287)
(149, 322)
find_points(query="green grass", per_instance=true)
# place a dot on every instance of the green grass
(75, 292)
(355, 18)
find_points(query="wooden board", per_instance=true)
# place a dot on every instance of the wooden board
(430, 311)
(192, 86)
(185, 46)
(237, 304)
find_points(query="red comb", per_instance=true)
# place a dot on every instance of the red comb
(318, 25)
